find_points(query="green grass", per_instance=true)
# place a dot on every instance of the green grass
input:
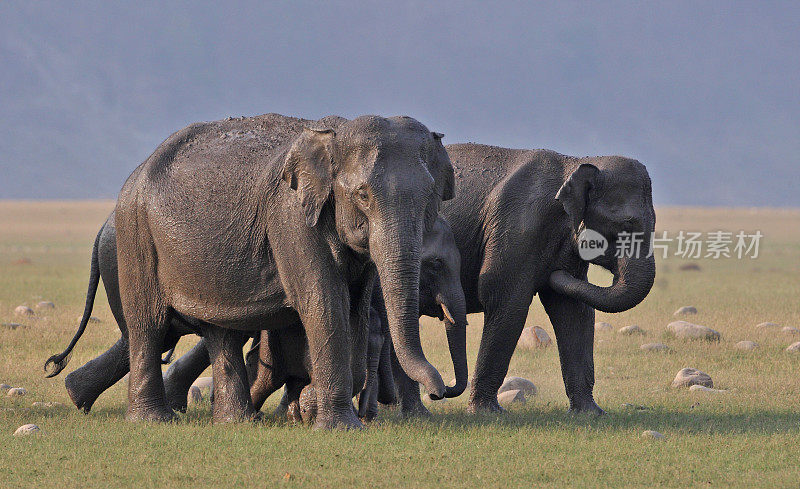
(748, 436)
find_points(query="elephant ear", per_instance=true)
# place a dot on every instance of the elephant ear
(308, 169)
(447, 182)
(574, 193)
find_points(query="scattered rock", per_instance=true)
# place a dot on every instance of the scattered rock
(688, 377)
(23, 311)
(45, 305)
(194, 396)
(689, 331)
(518, 383)
(27, 429)
(603, 326)
(92, 319)
(631, 330)
(790, 330)
(689, 267)
(16, 392)
(767, 326)
(746, 345)
(705, 389)
(686, 310)
(204, 383)
(794, 348)
(511, 396)
(4, 387)
(652, 434)
(534, 337)
(633, 407)
(654, 347)
(40, 404)
(12, 326)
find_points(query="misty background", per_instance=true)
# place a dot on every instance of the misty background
(705, 94)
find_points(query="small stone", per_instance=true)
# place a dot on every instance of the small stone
(12, 326)
(534, 337)
(511, 396)
(40, 404)
(689, 267)
(794, 348)
(92, 320)
(204, 383)
(654, 347)
(194, 396)
(746, 345)
(689, 331)
(702, 388)
(16, 392)
(518, 383)
(767, 326)
(603, 326)
(652, 434)
(45, 305)
(790, 330)
(27, 429)
(685, 310)
(4, 387)
(688, 377)
(631, 330)
(23, 311)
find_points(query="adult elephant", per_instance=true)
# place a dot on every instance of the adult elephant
(516, 219)
(252, 223)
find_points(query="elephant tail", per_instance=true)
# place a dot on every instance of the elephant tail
(56, 363)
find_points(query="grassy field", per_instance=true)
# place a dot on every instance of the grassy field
(748, 436)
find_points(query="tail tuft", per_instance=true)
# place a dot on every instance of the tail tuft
(56, 363)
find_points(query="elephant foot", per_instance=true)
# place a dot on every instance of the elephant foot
(293, 413)
(588, 407)
(176, 396)
(344, 420)
(484, 405)
(414, 410)
(81, 391)
(161, 414)
(237, 416)
(307, 404)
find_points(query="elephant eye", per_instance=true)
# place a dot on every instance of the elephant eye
(361, 194)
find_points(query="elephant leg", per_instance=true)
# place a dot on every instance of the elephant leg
(270, 369)
(232, 402)
(408, 391)
(501, 330)
(573, 322)
(85, 384)
(146, 396)
(183, 372)
(291, 396)
(368, 397)
(387, 392)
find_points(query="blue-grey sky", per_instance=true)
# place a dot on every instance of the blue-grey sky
(706, 94)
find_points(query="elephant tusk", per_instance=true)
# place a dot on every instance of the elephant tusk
(447, 314)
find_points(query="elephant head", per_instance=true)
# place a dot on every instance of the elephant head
(382, 180)
(612, 196)
(442, 296)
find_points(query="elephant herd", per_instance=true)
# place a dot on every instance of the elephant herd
(324, 241)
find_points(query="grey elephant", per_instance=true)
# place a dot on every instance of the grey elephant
(254, 223)
(280, 357)
(516, 218)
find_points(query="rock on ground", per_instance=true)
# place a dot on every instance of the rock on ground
(23, 311)
(686, 310)
(603, 326)
(511, 396)
(746, 345)
(12, 326)
(790, 330)
(767, 326)
(4, 387)
(16, 392)
(194, 396)
(92, 319)
(27, 429)
(631, 330)
(689, 331)
(49, 404)
(688, 377)
(702, 388)
(45, 305)
(534, 337)
(794, 348)
(518, 383)
(654, 347)
(689, 267)
(652, 434)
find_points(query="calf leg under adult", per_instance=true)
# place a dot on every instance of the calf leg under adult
(86, 383)
(232, 400)
(183, 372)
(573, 322)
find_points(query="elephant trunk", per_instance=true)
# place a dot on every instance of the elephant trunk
(633, 279)
(396, 253)
(456, 330)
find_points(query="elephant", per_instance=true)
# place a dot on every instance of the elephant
(280, 357)
(245, 224)
(517, 217)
